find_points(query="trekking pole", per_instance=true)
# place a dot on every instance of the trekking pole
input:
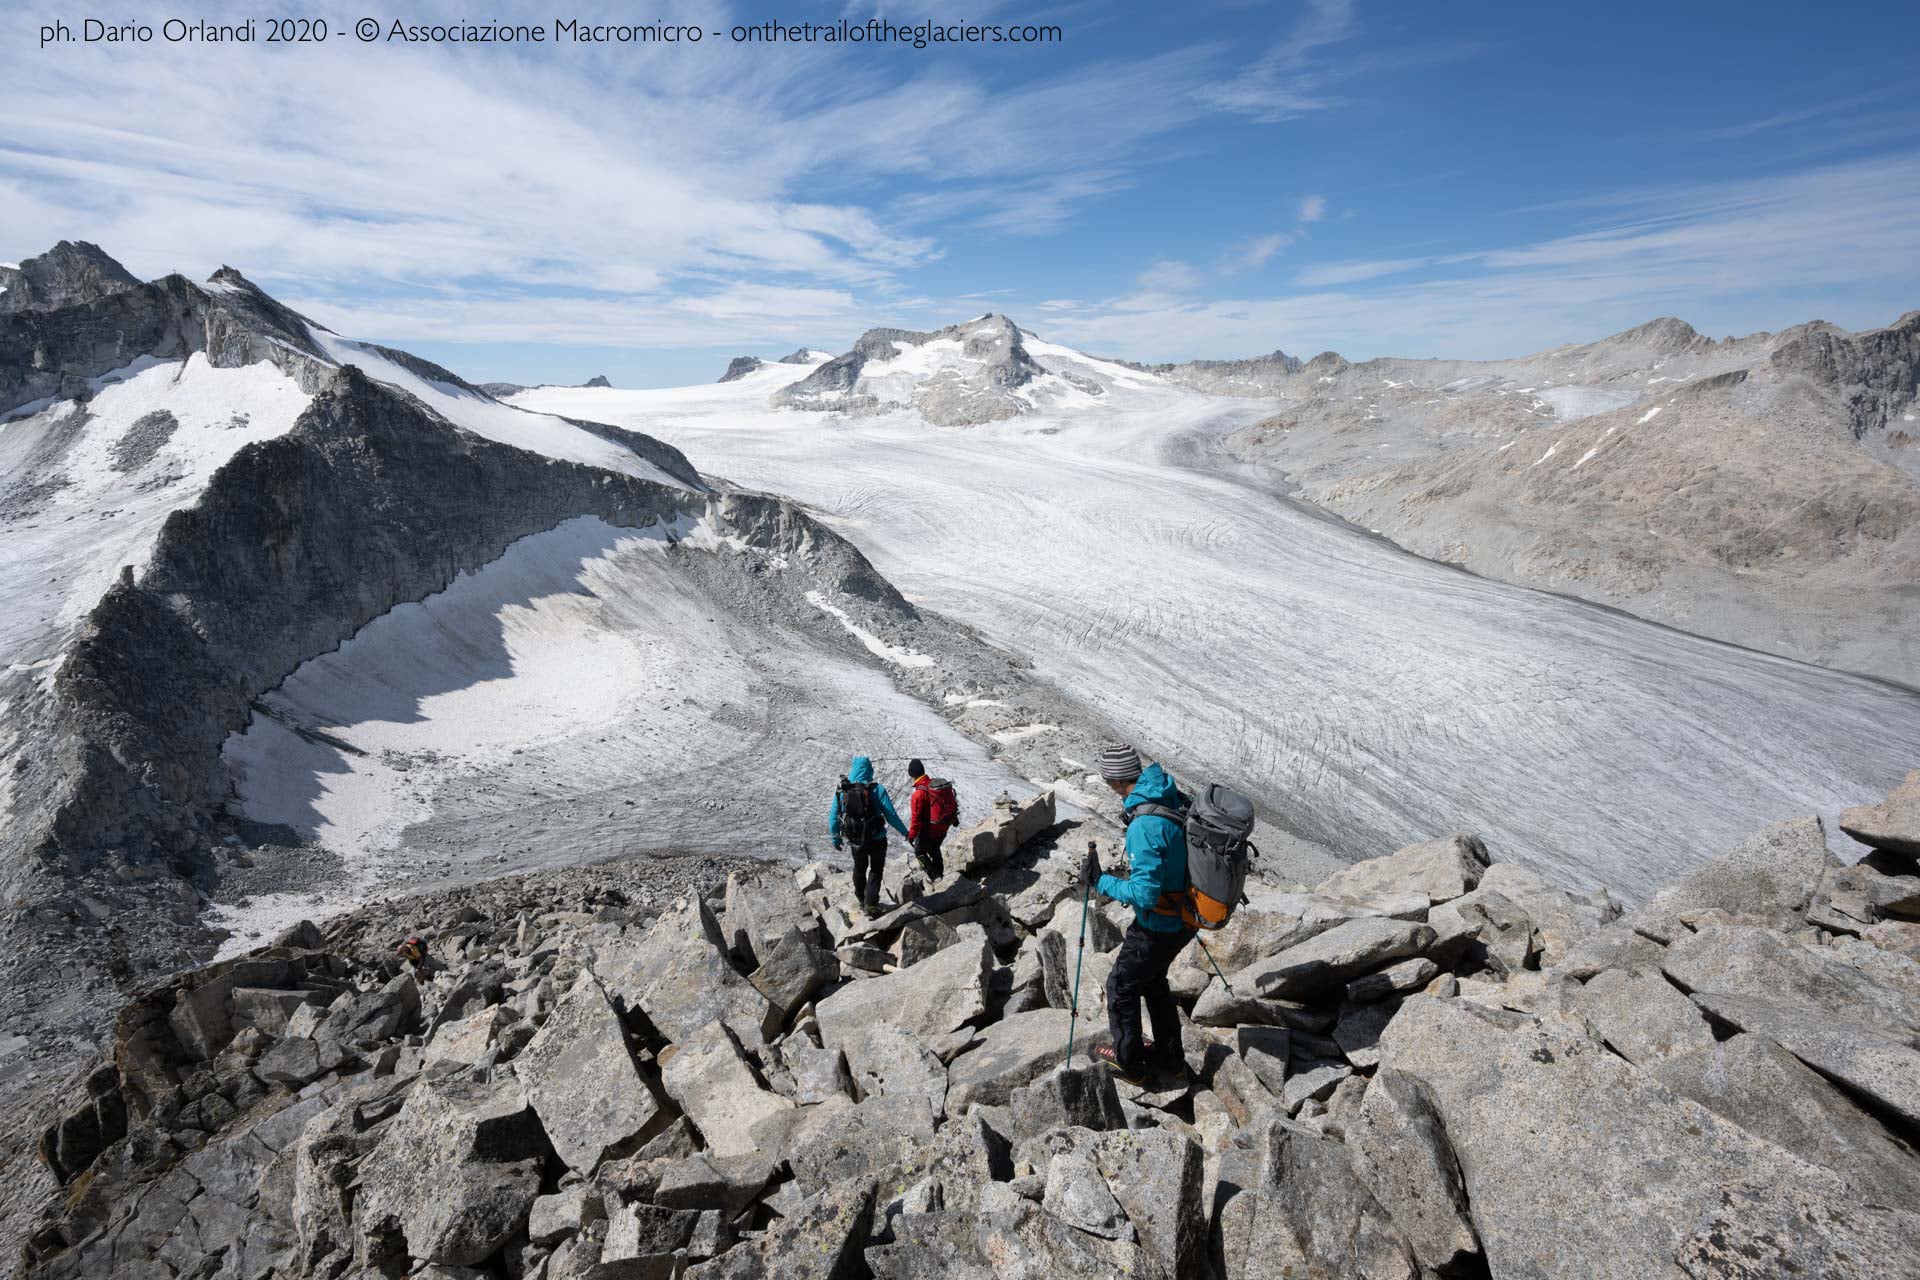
(1215, 964)
(1086, 891)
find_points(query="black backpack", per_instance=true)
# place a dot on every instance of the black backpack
(859, 815)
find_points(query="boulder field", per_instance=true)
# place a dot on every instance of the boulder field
(1434, 1064)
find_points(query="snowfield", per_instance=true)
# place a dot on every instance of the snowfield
(584, 695)
(1366, 697)
(84, 490)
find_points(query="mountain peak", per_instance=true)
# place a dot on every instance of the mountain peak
(71, 273)
(1668, 333)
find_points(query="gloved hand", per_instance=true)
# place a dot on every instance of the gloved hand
(836, 846)
(1091, 871)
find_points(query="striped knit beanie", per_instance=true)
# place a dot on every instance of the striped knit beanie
(1119, 763)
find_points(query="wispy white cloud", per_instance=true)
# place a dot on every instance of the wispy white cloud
(1170, 276)
(1257, 252)
(1283, 82)
(1801, 115)
(1841, 242)
(1313, 208)
(1331, 273)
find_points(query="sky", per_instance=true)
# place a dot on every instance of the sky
(1161, 183)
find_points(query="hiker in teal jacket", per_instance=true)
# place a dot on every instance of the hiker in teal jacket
(1156, 865)
(1156, 852)
(861, 813)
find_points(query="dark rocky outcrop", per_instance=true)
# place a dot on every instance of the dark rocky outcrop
(70, 273)
(1875, 373)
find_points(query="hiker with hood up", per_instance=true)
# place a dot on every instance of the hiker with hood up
(1157, 868)
(862, 811)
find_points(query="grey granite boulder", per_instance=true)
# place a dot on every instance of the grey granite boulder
(1613, 946)
(1400, 1152)
(710, 1080)
(1502, 934)
(841, 1140)
(791, 970)
(931, 999)
(1762, 1230)
(1156, 1175)
(759, 909)
(1561, 920)
(1019, 1242)
(1759, 1086)
(1863, 1058)
(884, 1060)
(1255, 932)
(1553, 1135)
(1013, 1052)
(1441, 869)
(1078, 1195)
(1330, 960)
(1893, 825)
(953, 1171)
(644, 1231)
(704, 1181)
(818, 1074)
(680, 977)
(1219, 1006)
(1082, 1095)
(581, 1078)
(1746, 961)
(454, 1176)
(564, 1213)
(1359, 1030)
(1395, 979)
(1066, 972)
(1642, 1017)
(1311, 1205)
(1768, 879)
(822, 1239)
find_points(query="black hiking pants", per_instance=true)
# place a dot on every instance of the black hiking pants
(1140, 973)
(927, 848)
(869, 861)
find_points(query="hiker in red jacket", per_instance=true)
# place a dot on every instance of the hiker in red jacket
(932, 811)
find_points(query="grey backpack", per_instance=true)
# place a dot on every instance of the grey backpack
(1218, 824)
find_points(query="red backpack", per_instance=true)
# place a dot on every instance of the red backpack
(943, 809)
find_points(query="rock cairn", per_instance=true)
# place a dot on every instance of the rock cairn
(1433, 1064)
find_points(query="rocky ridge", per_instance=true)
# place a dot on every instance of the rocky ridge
(962, 375)
(1761, 489)
(1257, 376)
(69, 273)
(501, 390)
(1434, 1064)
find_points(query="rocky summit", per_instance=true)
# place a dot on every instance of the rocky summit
(1434, 1064)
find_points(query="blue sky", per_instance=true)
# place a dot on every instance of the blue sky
(1168, 182)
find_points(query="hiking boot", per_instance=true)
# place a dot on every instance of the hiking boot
(873, 909)
(1106, 1057)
